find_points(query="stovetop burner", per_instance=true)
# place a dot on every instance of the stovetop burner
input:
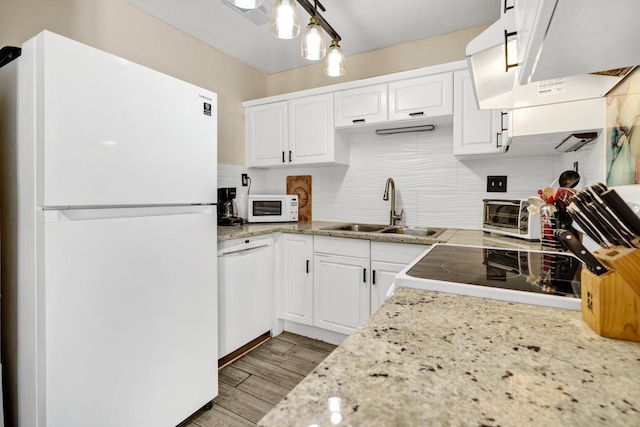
(534, 272)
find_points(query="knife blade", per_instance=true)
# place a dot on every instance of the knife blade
(610, 219)
(586, 226)
(573, 245)
(581, 202)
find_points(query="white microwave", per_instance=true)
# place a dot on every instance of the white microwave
(273, 208)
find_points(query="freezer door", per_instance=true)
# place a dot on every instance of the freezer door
(112, 132)
(130, 335)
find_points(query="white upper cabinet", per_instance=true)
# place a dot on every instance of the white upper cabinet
(429, 96)
(295, 132)
(312, 137)
(474, 131)
(361, 106)
(267, 134)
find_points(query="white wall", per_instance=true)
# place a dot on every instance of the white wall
(434, 187)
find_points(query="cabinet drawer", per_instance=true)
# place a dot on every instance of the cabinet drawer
(401, 253)
(341, 246)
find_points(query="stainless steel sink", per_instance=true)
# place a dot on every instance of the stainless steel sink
(364, 228)
(396, 229)
(414, 231)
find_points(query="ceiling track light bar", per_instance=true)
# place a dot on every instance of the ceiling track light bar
(311, 10)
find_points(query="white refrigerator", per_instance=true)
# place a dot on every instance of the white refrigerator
(109, 291)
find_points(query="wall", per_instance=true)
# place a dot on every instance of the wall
(407, 56)
(119, 28)
(434, 187)
(623, 143)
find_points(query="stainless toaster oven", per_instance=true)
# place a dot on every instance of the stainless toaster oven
(510, 217)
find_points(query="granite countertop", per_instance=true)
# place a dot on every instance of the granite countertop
(428, 358)
(450, 235)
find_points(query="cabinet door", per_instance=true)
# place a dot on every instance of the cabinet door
(474, 131)
(311, 131)
(341, 293)
(361, 106)
(296, 290)
(382, 276)
(267, 137)
(430, 96)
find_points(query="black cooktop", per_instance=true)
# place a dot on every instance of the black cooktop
(554, 273)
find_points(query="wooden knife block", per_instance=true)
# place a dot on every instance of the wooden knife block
(611, 302)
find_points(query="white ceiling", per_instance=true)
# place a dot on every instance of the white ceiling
(363, 25)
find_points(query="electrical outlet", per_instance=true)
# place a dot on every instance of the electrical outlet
(245, 179)
(497, 184)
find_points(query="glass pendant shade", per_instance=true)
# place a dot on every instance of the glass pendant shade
(334, 61)
(285, 19)
(246, 4)
(313, 44)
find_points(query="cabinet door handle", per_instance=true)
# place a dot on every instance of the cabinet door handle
(373, 277)
(283, 157)
(364, 275)
(289, 156)
(498, 140)
(358, 120)
(419, 113)
(502, 114)
(507, 7)
(506, 50)
(307, 266)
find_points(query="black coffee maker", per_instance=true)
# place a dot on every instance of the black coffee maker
(227, 208)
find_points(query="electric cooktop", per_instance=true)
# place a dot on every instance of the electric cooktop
(518, 275)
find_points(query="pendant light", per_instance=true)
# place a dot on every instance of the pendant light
(334, 61)
(313, 44)
(285, 19)
(246, 4)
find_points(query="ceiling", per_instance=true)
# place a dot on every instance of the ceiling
(363, 25)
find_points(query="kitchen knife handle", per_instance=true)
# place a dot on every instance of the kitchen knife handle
(571, 243)
(620, 207)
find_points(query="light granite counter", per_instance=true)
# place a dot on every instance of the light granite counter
(450, 235)
(430, 359)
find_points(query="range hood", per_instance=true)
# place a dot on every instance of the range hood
(553, 52)
(554, 129)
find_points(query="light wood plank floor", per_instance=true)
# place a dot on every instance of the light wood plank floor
(255, 383)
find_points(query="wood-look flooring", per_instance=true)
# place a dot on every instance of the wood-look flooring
(252, 385)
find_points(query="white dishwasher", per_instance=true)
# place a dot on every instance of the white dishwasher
(245, 291)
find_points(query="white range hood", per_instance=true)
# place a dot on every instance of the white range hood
(557, 44)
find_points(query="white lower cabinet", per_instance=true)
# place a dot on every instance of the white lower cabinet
(296, 284)
(382, 275)
(387, 260)
(340, 283)
(341, 293)
(336, 283)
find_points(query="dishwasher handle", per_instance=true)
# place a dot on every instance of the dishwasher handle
(247, 245)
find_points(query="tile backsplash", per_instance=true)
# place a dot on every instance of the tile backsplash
(432, 186)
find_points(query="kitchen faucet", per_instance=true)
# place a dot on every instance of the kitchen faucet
(393, 217)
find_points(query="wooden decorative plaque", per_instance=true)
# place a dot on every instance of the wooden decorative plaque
(300, 185)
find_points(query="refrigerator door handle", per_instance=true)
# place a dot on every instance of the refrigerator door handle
(82, 214)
